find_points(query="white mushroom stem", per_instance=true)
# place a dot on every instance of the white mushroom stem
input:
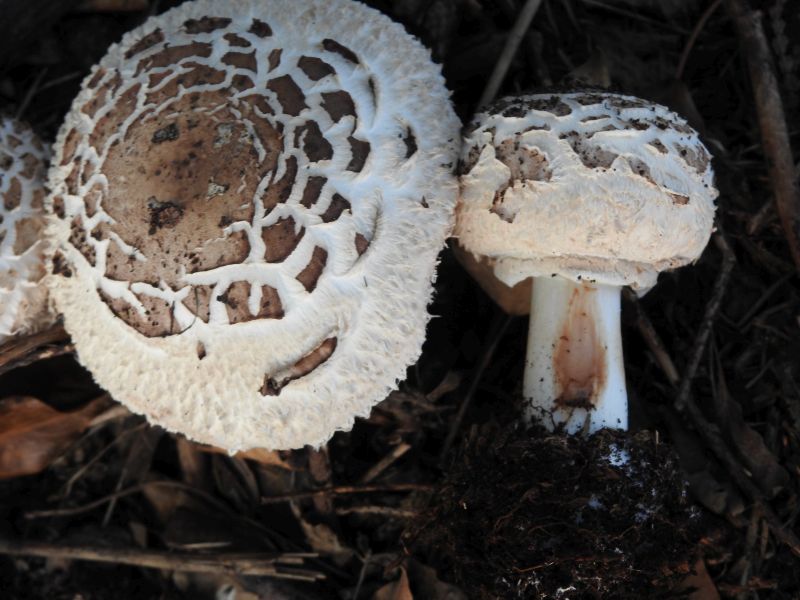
(574, 373)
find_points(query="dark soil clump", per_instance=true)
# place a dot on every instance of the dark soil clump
(533, 514)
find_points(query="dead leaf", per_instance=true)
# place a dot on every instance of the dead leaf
(272, 458)
(426, 583)
(34, 434)
(397, 590)
(699, 584)
(323, 539)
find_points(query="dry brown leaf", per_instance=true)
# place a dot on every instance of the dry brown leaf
(397, 590)
(427, 584)
(34, 434)
(323, 539)
(700, 583)
(271, 458)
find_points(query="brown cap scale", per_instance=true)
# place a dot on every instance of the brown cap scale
(584, 192)
(23, 164)
(248, 200)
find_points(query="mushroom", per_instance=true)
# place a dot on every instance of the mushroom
(584, 192)
(23, 298)
(248, 199)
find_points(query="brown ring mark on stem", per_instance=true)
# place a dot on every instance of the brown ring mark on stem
(579, 359)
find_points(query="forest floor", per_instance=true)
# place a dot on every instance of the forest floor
(442, 493)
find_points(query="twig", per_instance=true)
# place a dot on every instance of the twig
(687, 49)
(265, 565)
(771, 121)
(88, 465)
(379, 467)
(342, 490)
(32, 90)
(712, 308)
(709, 431)
(26, 350)
(713, 439)
(473, 385)
(384, 511)
(652, 339)
(515, 37)
(134, 489)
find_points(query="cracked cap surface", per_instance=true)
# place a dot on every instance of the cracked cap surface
(248, 199)
(594, 186)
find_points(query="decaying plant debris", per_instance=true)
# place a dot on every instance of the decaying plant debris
(97, 504)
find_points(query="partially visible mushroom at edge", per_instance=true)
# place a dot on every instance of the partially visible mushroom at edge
(23, 260)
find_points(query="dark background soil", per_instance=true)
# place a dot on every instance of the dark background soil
(744, 434)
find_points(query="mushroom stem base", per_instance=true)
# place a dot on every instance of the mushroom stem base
(574, 372)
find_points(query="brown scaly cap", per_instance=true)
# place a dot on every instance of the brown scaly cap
(248, 200)
(591, 186)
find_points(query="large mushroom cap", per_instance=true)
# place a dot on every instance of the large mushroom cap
(249, 198)
(23, 299)
(593, 186)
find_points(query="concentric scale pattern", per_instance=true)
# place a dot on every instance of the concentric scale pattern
(266, 178)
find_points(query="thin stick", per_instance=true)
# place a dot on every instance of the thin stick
(687, 49)
(652, 339)
(18, 352)
(713, 438)
(384, 511)
(135, 489)
(342, 490)
(771, 121)
(265, 565)
(473, 385)
(515, 37)
(712, 308)
(387, 461)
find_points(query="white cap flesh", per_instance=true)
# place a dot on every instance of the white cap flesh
(23, 163)
(590, 186)
(248, 200)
